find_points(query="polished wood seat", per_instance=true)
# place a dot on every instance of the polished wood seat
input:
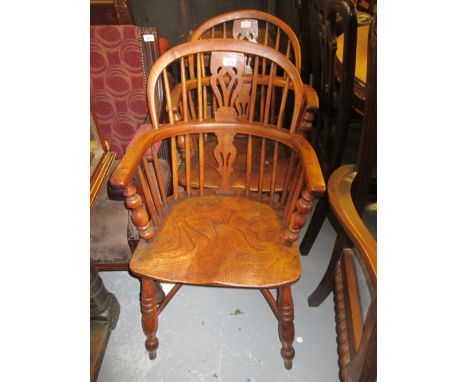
(222, 236)
(219, 240)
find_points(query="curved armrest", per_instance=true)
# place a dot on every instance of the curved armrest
(339, 194)
(129, 163)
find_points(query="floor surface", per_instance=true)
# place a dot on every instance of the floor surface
(225, 334)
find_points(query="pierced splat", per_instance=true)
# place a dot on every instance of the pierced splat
(225, 152)
(226, 81)
(246, 29)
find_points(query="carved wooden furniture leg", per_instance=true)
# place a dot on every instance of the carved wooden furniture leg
(286, 324)
(104, 305)
(149, 312)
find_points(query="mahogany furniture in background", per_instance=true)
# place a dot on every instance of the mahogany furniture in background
(365, 162)
(222, 236)
(361, 66)
(355, 285)
(268, 30)
(113, 12)
(320, 19)
(104, 307)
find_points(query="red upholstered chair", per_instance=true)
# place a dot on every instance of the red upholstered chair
(121, 55)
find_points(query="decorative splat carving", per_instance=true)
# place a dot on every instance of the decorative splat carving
(225, 152)
(226, 81)
(242, 102)
(246, 29)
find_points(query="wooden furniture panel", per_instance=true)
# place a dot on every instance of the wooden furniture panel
(110, 12)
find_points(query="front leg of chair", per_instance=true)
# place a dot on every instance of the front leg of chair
(286, 324)
(149, 310)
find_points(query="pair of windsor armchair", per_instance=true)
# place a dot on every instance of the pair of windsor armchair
(243, 176)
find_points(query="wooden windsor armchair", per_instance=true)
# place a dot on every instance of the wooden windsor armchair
(266, 30)
(223, 236)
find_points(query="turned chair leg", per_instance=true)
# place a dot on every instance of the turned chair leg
(149, 315)
(286, 324)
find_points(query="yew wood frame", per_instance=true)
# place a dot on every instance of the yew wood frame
(308, 178)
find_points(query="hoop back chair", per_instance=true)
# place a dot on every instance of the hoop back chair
(255, 26)
(355, 292)
(258, 27)
(223, 236)
(333, 118)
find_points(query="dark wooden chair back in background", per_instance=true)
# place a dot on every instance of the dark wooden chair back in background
(353, 190)
(223, 236)
(328, 137)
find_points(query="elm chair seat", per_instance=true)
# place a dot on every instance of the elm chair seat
(218, 240)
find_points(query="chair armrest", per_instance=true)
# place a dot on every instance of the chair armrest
(339, 194)
(128, 165)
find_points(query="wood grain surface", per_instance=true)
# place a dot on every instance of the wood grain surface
(219, 240)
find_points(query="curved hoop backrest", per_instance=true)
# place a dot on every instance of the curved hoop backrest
(240, 31)
(226, 68)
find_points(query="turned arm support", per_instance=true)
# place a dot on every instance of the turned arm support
(313, 178)
(298, 219)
